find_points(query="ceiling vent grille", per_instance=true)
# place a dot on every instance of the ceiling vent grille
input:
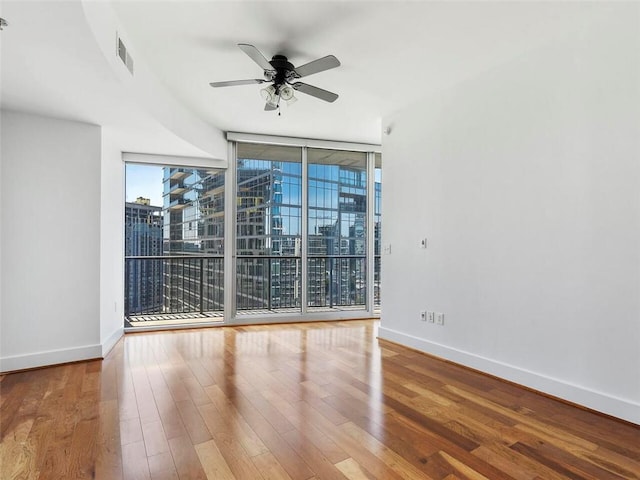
(121, 51)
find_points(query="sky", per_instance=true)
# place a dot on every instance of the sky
(144, 181)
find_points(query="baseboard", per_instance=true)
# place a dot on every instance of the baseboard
(64, 355)
(50, 357)
(110, 342)
(598, 401)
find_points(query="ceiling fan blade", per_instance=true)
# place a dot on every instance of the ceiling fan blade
(268, 107)
(320, 65)
(233, 83)
(315, 92)
(256, 56)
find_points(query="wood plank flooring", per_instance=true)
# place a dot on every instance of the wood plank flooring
(304, 401)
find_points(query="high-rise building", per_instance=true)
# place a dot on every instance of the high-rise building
(269, 236)
(268, 242)
(143, 237)
(194, 240)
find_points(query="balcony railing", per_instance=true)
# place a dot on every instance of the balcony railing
(337, 281)
(194, 284)
(178, 203)
(274, 283)
(268, 282)
(173, 284)
(377, 264)
(179, 173)
(177, 188)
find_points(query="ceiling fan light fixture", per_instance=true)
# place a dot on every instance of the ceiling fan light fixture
(269, 95)
(291, 101)
(286, 93)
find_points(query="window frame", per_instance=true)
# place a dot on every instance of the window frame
(231, 316)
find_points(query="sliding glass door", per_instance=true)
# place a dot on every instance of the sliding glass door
(337, 229)
(303, 219)
(268, 229)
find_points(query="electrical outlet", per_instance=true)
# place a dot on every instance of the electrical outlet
(423, 315)
(440, 318)
(431, 317)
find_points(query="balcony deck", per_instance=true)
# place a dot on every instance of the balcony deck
(162, 319)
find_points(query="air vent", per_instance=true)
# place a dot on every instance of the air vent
(122, 52)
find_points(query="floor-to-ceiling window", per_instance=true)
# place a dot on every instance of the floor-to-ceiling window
(193, 241)
(307, 230)
(278, 232)
(174, 250)
(268, 229)
(377, 225)
(337, 229)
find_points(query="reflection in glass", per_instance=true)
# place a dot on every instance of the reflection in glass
(337, 196)
(377, 237)
(194, 231)
(269, 216)
(183, 266)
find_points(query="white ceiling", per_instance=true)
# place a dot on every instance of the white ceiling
(391, 52)
(52, 66)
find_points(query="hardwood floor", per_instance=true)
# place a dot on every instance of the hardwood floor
(297, 401)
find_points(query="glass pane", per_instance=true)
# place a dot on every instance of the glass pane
(194, 211)
(337, 191)
(269, 219)
(190, 228)
(194, 226)
(377, 220)
(143, 237)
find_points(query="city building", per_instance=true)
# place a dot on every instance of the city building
(193, 245)
(269, 239)
(143, 224)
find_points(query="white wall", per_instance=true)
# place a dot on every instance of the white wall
(145, 88)
(111, 242)
(50, 255)
(1, 223)
(526, 182)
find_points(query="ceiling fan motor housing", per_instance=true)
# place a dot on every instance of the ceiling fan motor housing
(285, 71)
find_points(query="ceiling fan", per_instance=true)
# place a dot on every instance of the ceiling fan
(283, 77)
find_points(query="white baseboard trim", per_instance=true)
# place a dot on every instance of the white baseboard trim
(110, 342)
(50, 357)
(598, 401)
(56, 357)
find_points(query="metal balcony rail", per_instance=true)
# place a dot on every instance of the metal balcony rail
(194, 284)
(377, 263)
(268, 282)
(337, 281)
(173, 284)
(274, 282)
(178, 203)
